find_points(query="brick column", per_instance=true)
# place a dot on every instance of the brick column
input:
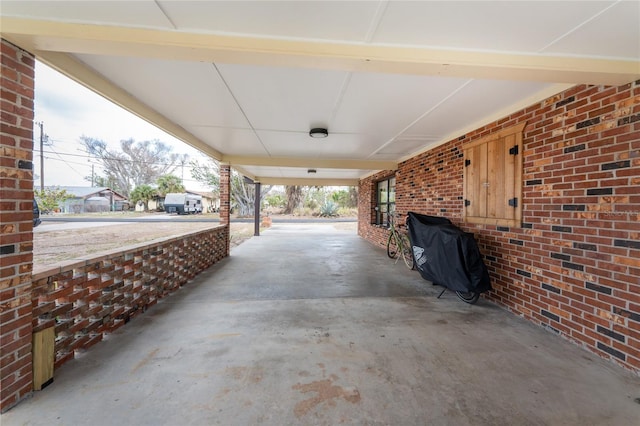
(16, 223)
(225, 199)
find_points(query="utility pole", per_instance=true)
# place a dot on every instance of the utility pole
(42, 137)
(182, 179)
(92, 176)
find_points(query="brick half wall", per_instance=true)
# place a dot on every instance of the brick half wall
(86, 299)
(574, 264)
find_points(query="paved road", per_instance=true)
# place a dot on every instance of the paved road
(173, 218)
(115, 219)
(62, 223)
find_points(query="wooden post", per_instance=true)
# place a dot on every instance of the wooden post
(43, 357)
(256, 213)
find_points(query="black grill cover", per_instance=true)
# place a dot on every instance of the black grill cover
(446, 255)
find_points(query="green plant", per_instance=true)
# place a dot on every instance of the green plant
(143, 193)
(347, 212)
(329, 209)
(169, 183)
(50, 199)
(347, 198)
(315, 197)
(275, 200)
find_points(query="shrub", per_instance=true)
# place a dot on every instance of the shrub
(347, 212)
(276, 200)
(329, 209)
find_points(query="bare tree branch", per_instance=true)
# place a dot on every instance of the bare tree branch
(137, 163)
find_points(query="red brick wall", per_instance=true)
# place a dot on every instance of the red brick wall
(366, 213)
(574, 265)
(16, 222)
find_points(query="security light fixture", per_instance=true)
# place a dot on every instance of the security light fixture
(318, 132)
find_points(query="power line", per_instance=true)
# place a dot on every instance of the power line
(85, 164)
(65, 161)
(89, 156)
(171, 145)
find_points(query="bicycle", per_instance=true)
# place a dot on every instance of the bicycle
(398, 244)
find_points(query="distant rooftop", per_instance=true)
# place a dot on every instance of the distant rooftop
(86, 191)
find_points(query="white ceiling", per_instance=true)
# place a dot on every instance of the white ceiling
(244, 81)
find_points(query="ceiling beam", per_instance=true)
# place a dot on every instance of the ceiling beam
(38, 35)
(242, 171)
(306, 181)
(89, 78)
(319, 163)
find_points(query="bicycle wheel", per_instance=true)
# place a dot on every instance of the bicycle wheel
(470, 297)
(392, 246)
(407, 251)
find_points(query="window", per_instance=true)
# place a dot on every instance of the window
(493, 178)
(386, 201)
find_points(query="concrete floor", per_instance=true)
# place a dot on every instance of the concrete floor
(312, 325)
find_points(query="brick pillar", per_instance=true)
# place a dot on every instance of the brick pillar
(225, 199)
(16, 223)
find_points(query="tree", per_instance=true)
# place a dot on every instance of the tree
(169, 183)
(138, 163)
(275, 200)
(315, 197)
(98, 181)
(50, 199)
(242, 193)
(143, 193)
(207, 174)
(346, 198)
(295, 195)
(353, 197)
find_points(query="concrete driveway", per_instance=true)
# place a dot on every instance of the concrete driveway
(309, 324)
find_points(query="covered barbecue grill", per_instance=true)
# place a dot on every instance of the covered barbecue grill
(446, 255)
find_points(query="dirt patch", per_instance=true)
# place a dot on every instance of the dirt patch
(326, 392)
(57, 245)
(51, 247)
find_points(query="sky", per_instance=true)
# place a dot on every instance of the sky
(68, 110)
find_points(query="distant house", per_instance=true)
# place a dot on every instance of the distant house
(87, 199)
(156, 203)
(210, 201)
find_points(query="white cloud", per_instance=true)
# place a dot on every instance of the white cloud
(68, 111)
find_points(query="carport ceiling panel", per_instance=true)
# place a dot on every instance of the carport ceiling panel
(145, 13)
(510, 26)
(326, 20)
(228, 140)
(284, 99)
(288, 172)
(400, 148)
(263, 171)
(300, 144)
(302, 173)
(190, 93)
(380, 156)
(614, 33)
(477, 101)
(381, 106)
